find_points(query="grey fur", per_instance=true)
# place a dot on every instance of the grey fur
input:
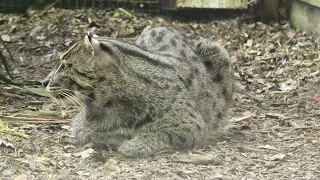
(159, 92)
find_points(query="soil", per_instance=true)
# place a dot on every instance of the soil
(275, 110)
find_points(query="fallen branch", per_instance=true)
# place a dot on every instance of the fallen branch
(7, 49)
(289, 128)
(244, 117)
(48, 8)
(33, 120)
(6, 66)
(307, 138)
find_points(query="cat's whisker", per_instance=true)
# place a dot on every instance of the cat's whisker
(59, 89)
(53, 89)
(65, 93)
(74, 100)
(82, 82)
(67, 97)
(61, 101)
(77, 93)
(82, 96)
(80, 103)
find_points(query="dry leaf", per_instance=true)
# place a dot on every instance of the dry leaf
(84, 154)
(291, 34)
(268, 147)
(277, 157)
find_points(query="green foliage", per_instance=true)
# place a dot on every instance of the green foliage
(6, 81)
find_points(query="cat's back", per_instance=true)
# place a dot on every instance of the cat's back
(166, 41)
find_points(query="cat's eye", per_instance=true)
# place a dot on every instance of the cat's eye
(65, 64)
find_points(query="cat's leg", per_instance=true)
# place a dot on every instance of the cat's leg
(177, 129)
(79, 131)
(84, 134)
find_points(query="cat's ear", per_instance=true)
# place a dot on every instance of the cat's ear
(90, 41)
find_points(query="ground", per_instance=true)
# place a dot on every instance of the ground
(275, 109)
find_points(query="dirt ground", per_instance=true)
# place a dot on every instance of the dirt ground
(276, 109)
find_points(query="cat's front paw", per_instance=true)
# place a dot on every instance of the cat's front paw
(81, 134)
(135, 149)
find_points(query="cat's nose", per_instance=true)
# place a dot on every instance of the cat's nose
(45, 82)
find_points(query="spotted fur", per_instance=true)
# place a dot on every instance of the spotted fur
(159, 92)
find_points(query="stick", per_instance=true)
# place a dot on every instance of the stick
(5, 46)
(49, 7)
(290, 128)
(33, 120)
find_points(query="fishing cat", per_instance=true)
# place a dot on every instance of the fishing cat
(161, 91)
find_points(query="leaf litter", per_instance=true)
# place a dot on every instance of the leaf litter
(275, 116)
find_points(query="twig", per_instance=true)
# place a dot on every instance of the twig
(48, 8)
(16, 96)
(9, 119)
(5, 46)
(307, 138)
(268, 58)
(39, 122)
(290, 128)
(253, 97)
(248, 149)
(246, 116)
(5, 65)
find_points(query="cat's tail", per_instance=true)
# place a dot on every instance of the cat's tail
(219, 67)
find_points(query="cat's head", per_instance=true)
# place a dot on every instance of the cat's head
(81, 68)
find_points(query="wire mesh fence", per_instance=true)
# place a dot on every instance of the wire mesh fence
(20, 6)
